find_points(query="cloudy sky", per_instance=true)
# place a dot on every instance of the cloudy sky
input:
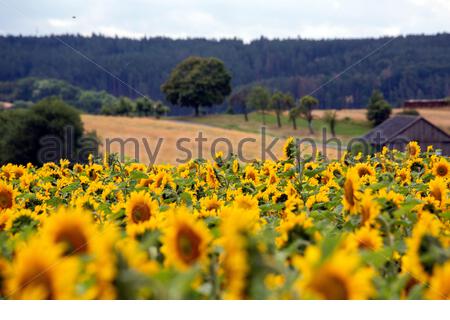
(245, 19)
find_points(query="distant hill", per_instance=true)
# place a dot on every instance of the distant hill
(412, 67)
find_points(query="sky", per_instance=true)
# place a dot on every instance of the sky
(244, 19)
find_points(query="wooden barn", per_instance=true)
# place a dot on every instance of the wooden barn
(398, 130)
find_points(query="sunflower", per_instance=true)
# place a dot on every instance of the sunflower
(441, 169)
(72, 229)
(37, 272)
(339, 277)
(439, 288)
(7, 196)
(289, 148)
(368, 208)
(365, 238)
(438, 190)
(351, 190)
(251, 174)
(22, 220)
(246, 202)
(210, 206)
(364, 169)
(403, 176)
(425, 249)
(140, 208)
(236, 226)
(296, 228)
(185, 240)
(413, 149)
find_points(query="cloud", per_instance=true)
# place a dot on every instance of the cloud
(60, 23)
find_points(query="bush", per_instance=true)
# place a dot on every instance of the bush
(48, 131)
(378, 110)
(410, 112)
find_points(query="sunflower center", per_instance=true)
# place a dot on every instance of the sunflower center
(141, 212)
(436, 193)
(74, 240)
(213, 206)
(6, 200)
(363, 171)
(331, 287)
(188, 245)
(442, 170)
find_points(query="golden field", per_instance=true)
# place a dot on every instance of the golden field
(170, 130)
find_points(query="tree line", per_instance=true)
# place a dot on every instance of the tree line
(25, 92)
(408, 67)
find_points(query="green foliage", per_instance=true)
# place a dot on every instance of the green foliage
(22, 131)
(378, 109)
(280, 102)
(410, 112)
(259, 99)
(198, 82)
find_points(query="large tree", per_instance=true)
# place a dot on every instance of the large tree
(378, 109)
(198, 82)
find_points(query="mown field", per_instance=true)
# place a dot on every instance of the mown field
(355, 228)
(172, 130)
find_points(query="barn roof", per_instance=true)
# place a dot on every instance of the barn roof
(391, 127)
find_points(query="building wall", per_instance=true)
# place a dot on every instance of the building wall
(425, 134)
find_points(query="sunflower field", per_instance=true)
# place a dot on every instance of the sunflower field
(374, 227)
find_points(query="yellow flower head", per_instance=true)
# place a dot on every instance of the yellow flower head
(140, 208)
(185, 240)
(351, 191)
(413, 149)
(339, 277)
(7, 196)
(441, 169)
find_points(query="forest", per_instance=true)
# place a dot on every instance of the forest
(409, 67)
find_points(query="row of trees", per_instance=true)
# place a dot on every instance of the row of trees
(260, 98)
(25, 92)
(140, 107)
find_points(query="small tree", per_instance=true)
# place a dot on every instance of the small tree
(330, 117)
(160, 109)
(259, 99)
(198, 82)
(239, 99)
(307, 103)
(378, 109)
(144, 106)
(278, 102)
(125, 106)
(294, 113)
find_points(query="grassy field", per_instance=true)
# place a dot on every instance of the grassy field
(345, 129)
